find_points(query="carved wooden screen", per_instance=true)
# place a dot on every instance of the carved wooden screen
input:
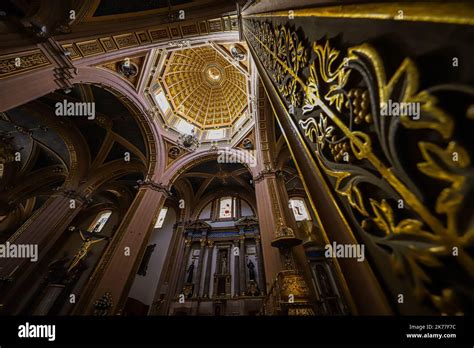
(404, 183)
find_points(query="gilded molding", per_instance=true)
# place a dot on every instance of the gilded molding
(153, 35)
(126, 40)
(90, 48)
(440, 12)
(21, 62)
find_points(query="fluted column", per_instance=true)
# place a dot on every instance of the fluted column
(267, 227)
(200, 265)
(237, 274)
(261, 277)
(207, 279)
(242, 264)
(182, 269)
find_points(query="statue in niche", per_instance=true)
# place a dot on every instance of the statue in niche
(190, 273)
(251, 268)
(224, 263)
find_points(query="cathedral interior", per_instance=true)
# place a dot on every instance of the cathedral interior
(236, 158)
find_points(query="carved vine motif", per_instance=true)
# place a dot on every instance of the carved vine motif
(408, 180)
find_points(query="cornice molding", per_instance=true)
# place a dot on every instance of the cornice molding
(148, 183)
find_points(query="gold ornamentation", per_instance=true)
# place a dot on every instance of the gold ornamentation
(189, 30)
(126, 40)
(360, 103)
(372, 151)
(17, 63)
(456, 13)
(159, 34)
(73, 52)
(215, 25)
(203, 88)
(90, 48)
(288, 295)
(143, 37)
(108, 43)
(87, 243)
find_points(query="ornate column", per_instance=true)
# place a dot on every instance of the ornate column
(323, 202)
(197, 286)
(242, 272)
(207, 279)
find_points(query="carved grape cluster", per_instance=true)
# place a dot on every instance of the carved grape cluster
(340, 151)
(360, 102)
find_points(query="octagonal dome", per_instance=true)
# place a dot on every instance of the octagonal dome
(204, 88)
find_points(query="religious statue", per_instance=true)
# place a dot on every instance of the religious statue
(251, 268)
(87, 243)
(224, 264)
(190, 273)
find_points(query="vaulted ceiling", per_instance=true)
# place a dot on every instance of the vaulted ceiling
(213, 177)
(205, 88)
(40, 151)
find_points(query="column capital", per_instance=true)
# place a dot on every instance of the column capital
(148, 183)
(73, 194)
(266, 173)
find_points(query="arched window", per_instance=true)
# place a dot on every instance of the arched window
(300, 211)
(160, 99)
(99, 222)
(225, 208)
(161, 217)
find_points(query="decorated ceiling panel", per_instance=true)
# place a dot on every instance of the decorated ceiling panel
(205, 88)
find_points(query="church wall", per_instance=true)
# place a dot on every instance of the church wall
(206, 212)
(246, 210)
(143, 288)
(222, 223)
